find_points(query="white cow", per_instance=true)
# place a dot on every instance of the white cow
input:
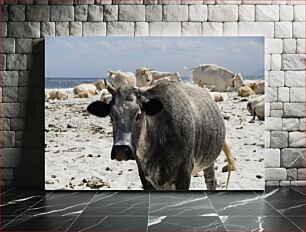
(146, 77)
(56, 95)
(87, 89)
(122, 79)
(216, 78)
(260, 85)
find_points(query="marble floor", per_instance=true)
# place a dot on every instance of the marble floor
(275, 210)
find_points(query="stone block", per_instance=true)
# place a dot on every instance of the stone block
(176, 2)
(16, 62)
(296, 139)
(191, 29)
(267, 13)
(276, 62)
(286, 13)
(300, 47)
(17, 13)
(62, 13)
(3, 29)
(222, 13)
(273, 124)
(299, 13)
(84, 2)
(290, 124)
(246, 13)
(110, 13)
(193, 2)
(267, 138)
(61, 2)
(230, 29)
(175, 13)
(197, 13)
(297, 183)
(62, 28)
(301, 175)
(275, 174)
(289, 46)
(283, 30)
(212, 29)
(267, 62)
(271, 94)
(4, 13)
(273, 46)
(150, 2)
(128, 2)
(291, 174)
(9, 78)
(267, 109)
(295, 78)
(302, 124)
(12, 157)
(256, 28)
(75, 29)
(293, 62)
(8, 45)
(94, 28)
(272, 158)
(298, 30)
(297, 94)
(38, 13)
(24, 29)
(120, 28)
(272, 183)
(276, 78)
(294, 110)
(131, 13)
(154, 13)
(47, 29)
(24, 45)
(283, 94)
(11, 109)
(2, 62)
(165, 28)
(279, 139)
(141, 29)
(293, 158)
(103, 2)
(80, 13)
(9, 94)
(284, 183)
(95, 13)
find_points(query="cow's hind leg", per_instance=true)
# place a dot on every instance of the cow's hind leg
(209, 177)
(183, 178)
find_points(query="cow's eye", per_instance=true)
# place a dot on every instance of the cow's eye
(138, 116)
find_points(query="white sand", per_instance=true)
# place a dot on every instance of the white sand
(78, 147)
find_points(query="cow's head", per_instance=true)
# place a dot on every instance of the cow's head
(143, 77)
(127, 110)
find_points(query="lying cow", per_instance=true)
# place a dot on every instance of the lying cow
(171, 130)
(84, 90)
(258, 86)
(245, 91)
(216, 78)
(218, 97)
(147, 77)
(56, 95)
(122, 79)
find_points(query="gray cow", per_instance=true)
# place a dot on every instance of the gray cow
(172, 130)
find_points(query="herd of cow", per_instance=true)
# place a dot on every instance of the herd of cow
(172, 129)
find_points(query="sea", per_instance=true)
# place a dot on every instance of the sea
(68, 83)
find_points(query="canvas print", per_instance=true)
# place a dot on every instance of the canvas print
(154, 113)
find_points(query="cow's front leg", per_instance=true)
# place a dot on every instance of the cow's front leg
(183, 178)
(209, 177)
(145, 184)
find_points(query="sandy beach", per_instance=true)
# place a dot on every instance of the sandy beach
(78, 147)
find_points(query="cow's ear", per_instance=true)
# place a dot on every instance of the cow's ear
(153, 107)
(99, 108)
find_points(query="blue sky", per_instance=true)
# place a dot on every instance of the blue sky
(93, 56)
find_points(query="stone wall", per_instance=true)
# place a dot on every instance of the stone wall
(25, 23)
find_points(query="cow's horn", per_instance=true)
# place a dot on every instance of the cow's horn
(109, 88)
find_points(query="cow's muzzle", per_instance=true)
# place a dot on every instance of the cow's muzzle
(122, 152)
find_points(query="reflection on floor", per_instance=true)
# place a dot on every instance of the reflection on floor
(275, 210)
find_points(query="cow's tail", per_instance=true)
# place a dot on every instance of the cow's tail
(230, 161)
